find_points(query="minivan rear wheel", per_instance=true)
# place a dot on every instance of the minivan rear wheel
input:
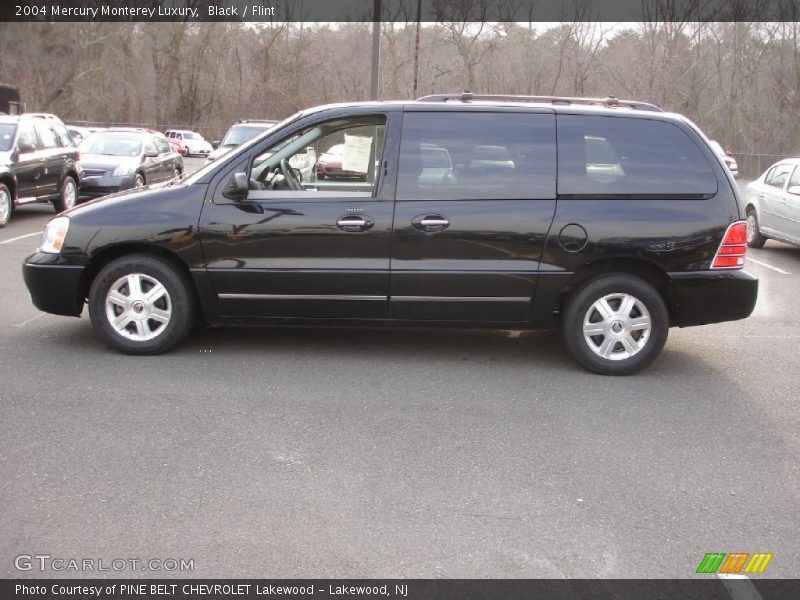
(615, 324)
(141, 304)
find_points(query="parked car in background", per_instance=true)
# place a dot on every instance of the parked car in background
(119, 159)
(178, 147)
(80, 133)
(47, 116)
(239, 133)
(772, 205)
(729, 161)
(613, 257)
(195, 144)
(38, 163)
(329, 165)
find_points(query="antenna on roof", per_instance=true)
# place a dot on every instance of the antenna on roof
(466, 96)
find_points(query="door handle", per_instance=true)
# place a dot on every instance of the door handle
(354, 223)
(431, 222)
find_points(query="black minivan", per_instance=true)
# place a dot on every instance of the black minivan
(611, 219)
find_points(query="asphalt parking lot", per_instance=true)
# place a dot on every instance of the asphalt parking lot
(368, 453)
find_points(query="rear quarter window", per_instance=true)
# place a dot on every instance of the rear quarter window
(627, 157)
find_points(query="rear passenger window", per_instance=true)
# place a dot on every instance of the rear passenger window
(614, 156)
(795, 180)
(64, 139)
(459, 155)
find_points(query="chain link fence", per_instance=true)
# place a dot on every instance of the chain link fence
(753, 165)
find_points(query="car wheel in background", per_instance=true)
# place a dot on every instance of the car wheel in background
(68, 196)
(615, 324)
(754, 237)
(6, 205)
(138, 180)
(176, 173)
(141, 304)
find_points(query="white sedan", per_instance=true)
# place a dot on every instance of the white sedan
(772, 204)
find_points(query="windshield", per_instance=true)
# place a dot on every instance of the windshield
(200, 173)
(109, 145)
(241, 133)
(7, 135)
(190, 136)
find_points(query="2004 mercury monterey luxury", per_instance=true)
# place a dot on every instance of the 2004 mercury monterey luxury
(611, 219)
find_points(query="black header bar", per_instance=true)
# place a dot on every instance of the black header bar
(400, 11)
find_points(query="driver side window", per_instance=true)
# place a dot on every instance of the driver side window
(340, 155)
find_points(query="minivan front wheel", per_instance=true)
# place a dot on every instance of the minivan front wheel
(141, 304)
(615, 324)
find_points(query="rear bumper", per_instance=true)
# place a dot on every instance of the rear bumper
(53, 286)
(714, 296)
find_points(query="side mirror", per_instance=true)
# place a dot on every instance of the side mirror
(237, 187)
(151, 153)
(794, 190)
(215, 144)
(26, 148)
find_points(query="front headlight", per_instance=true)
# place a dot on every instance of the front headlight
(123, 171)
(53, 235)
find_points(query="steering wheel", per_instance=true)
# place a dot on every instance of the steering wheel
(290, 177)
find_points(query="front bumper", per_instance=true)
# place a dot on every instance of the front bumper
(53, 284)
(714, 296)
(107, 184)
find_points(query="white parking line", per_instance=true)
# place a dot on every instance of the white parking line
(20, 237)
(31, 320)
(763, 264)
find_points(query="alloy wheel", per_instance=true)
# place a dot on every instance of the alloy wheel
(5, 206)
(751, 227)
(617, 326)
(70, 194)
(138, 307)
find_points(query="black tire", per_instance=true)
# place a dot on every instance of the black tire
(621, 359)
(68, 196)
(6, 205)
(139, 181)
(179, 300)
(754, 237)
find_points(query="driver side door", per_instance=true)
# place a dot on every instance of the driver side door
(310, 250)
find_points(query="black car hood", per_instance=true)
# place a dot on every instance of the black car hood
(150, 195)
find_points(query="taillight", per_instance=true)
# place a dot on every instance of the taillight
(730, 254)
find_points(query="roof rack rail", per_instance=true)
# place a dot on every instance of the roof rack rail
(608, 102)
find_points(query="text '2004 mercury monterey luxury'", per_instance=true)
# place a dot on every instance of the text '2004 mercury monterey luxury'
(609, 218)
